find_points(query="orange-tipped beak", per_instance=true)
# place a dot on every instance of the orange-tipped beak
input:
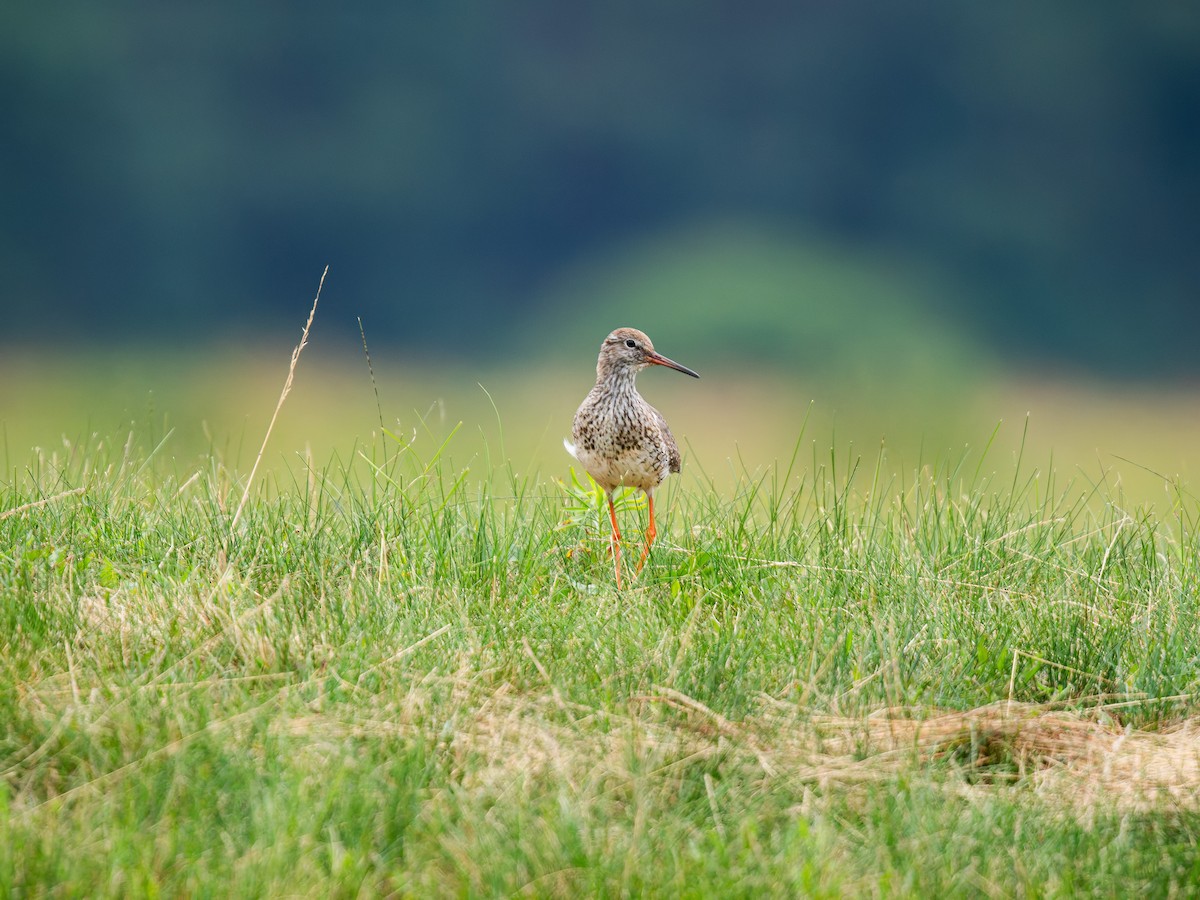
(659, 360)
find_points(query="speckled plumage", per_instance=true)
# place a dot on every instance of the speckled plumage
(620, 439)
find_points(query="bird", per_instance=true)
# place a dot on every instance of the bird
(619, 438)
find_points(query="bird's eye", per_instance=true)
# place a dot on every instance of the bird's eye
(630, 343)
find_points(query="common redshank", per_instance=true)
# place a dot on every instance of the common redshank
(620, 439)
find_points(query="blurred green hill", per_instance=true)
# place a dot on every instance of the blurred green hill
(771, 298)
(1024, 174)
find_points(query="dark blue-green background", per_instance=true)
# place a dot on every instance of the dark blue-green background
(1022, 175)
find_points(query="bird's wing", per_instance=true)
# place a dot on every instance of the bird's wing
(570, 448)
(673, 459)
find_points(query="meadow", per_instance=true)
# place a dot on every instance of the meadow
(889, 643)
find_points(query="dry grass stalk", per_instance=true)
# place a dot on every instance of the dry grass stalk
(287, 387)
(25, 507)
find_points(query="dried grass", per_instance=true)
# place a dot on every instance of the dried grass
(1080, 760)
(500, 738)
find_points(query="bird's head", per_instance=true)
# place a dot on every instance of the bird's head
(630, 350)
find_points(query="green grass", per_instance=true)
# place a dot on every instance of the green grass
(396, 676)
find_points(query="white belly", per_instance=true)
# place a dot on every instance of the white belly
(628, 468)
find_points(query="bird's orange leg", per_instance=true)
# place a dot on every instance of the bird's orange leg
(651, 532)
(615, 539)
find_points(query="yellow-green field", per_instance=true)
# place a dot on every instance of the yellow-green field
(1144, 439)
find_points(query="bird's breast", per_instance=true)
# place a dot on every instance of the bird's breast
(619, 442)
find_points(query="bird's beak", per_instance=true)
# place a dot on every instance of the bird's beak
(659, 360)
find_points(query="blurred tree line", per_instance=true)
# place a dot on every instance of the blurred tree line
(172, 171)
